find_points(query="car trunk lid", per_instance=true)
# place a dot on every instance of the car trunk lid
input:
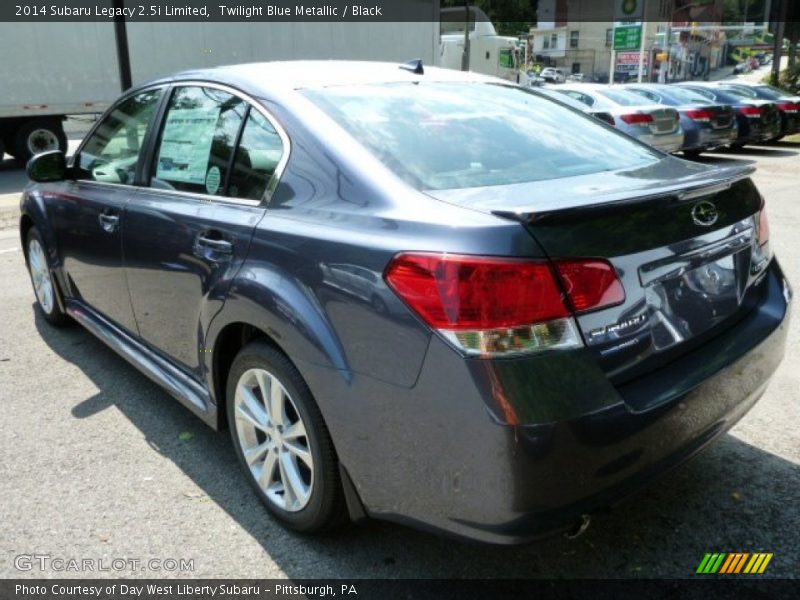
(682, 238)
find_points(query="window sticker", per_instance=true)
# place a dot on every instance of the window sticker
(213, 179)
(186, 145)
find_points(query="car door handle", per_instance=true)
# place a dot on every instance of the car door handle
(109, 222)
(211, 248)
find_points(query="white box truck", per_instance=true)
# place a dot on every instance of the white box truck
(51, 70)
(486, 52)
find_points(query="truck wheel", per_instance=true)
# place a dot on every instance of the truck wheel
(39, 135)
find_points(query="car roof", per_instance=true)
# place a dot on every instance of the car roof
(264, 79)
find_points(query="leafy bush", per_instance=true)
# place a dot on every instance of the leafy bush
(789, 79)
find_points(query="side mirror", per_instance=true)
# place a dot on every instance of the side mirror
(47, 166)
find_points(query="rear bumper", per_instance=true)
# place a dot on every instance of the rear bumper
(509, 451)
(707, 139)
(790, 123)
(669, 142)
(758, 132)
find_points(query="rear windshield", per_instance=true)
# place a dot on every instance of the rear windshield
(742, 91)
(459, 135)
(686, 96)
(772, 92)
(624, 97)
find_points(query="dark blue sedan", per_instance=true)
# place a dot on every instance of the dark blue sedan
(413, 294)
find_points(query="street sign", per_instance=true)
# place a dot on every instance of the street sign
(628, 62)
(628, 10)
(627, 37)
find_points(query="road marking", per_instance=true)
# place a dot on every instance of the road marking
(9, 250)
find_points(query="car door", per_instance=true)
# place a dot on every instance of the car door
(188, 231)
(88, 217)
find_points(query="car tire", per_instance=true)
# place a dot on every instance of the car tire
(39, 135)
(737, 146)
(44, 283)
(314, 500)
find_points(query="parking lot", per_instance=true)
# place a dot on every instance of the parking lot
(100, 463)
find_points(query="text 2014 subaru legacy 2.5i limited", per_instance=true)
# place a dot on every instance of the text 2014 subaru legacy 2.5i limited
(413, 294)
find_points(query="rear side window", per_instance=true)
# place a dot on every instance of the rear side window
(257, 157)
(197, 140)
(112, 151)
(441, 135)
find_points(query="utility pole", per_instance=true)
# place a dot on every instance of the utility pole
(465, 54)
(777, 49)
(121, 38)
(641, 41)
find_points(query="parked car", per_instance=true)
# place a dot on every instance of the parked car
(531, 79)
(576, 77)
(758, 120)
(788, 104)
(706, 126)
(656, 125)
(576, 104)
(566, 313)
(741, 68)
(553, 75)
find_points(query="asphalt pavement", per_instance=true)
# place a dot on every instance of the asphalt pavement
(100, 464)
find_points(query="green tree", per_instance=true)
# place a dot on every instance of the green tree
(510, 17)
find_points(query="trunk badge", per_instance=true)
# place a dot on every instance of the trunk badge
(704, 214)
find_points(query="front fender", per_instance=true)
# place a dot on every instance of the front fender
(33, 207)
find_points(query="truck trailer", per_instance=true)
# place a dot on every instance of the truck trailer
(54, 69)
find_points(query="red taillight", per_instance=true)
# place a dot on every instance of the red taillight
(637, 119)
(493, 306)
(763, 227)
(750, 111)
(700, 115)
(791, 107)
(590, 284)
(457, 292)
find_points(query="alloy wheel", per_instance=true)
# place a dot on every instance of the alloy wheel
(273, 440)
(40, 275)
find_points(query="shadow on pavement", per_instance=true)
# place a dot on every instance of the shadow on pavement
(733, 497)
(12, 176)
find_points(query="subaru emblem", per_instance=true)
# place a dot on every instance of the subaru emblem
(705, 213)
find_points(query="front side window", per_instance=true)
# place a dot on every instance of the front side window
(257, 158)
(458, 135)
(197, 140)
(112, 151)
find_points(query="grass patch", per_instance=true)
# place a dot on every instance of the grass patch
(795, 139)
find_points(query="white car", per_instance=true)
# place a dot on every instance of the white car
(553, 75)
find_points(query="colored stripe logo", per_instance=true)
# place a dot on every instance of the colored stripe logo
(732, 563)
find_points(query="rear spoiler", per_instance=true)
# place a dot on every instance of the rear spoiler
(703, 185)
